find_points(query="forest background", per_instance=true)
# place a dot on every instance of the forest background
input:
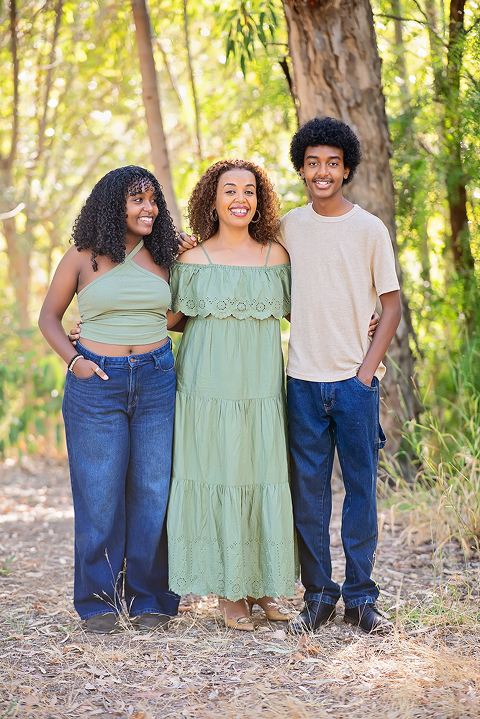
(234, 79)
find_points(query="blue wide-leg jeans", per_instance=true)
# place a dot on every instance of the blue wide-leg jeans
(119, 440)
(322, 415)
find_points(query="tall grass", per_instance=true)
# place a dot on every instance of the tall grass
(443, 452)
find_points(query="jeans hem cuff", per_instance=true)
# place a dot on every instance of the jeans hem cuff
(96, 614)
(147, 610)
(359, 602)
(321, 597)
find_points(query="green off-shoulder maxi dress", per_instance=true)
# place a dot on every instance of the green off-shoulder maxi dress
(230, 521)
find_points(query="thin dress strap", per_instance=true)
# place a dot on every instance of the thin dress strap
(268, 254)
(206, 253)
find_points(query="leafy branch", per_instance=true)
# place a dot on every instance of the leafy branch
(247, 24)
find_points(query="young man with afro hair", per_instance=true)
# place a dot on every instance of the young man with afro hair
(342, 260)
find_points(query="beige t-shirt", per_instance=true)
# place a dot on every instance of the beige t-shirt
(339, 267)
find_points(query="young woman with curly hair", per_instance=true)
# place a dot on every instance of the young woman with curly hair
(119, 397)
(230, 521)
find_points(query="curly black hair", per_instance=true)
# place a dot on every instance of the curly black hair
(101, 225)
(327, 131)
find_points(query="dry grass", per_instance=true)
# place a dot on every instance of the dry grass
(51, 669)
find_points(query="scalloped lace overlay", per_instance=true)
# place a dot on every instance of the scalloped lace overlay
(263, 293)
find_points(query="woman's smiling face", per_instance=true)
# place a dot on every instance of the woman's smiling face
(142, 210)
(236, 200)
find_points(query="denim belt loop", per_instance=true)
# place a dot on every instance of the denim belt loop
(101, 362)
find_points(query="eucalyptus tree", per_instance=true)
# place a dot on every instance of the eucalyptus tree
(447, 53)
(336, 71)
(151, 101)
(69, 114)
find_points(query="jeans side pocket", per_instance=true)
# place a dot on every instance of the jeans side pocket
(166, 362)
(381, 437)
(83, 379)
(372, 387)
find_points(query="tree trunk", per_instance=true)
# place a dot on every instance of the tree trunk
(337, 72)
(436, 48)
(18, 252)
(455, 176)
(151, 101)
(18, 270)
(192, 81)
(447, 95)
(399, 49)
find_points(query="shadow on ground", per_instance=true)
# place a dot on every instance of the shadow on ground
(51, 669)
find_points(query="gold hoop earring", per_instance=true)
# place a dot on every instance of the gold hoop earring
(214, 214)
(258, 219)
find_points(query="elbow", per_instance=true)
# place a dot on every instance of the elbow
(41, 322)
(44, 320)
(398, 315)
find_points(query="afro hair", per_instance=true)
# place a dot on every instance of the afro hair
(326, 131)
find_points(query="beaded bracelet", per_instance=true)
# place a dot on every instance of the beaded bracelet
(72, 362)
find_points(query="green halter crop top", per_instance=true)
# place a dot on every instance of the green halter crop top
(126, 305)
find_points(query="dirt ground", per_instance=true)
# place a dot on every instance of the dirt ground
(51, 669)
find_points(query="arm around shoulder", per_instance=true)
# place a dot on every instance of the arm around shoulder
(194, 256)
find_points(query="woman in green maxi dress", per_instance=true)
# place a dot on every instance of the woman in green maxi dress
(230, 522)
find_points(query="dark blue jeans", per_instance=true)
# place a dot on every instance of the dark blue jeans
(322, 415)
(119, 440)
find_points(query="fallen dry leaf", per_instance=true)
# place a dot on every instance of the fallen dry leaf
(430, 670)
(307, 645)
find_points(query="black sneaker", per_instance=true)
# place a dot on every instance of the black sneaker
(103, 624)
(313, 615)
(369, 619)
(149, 621)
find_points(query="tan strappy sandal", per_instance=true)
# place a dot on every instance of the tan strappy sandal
(243, 622)
(273, 611)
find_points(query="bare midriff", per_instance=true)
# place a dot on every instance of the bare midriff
(102, 349)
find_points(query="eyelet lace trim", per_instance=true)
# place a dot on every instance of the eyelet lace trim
(230, 307)
(255, 294)
(249, 564)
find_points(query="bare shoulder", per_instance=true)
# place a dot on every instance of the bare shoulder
(278, 255)
(195, 256)
(72, 260)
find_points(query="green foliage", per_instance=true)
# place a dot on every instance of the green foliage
(241, 115)
(6, 566)
(414, 54)
(80, 114)
(443, 451)
(447, 606)
(73, 113)
(31, 385)
(248, 25)
(8, 711)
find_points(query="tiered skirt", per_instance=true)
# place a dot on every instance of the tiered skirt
(230, 522)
